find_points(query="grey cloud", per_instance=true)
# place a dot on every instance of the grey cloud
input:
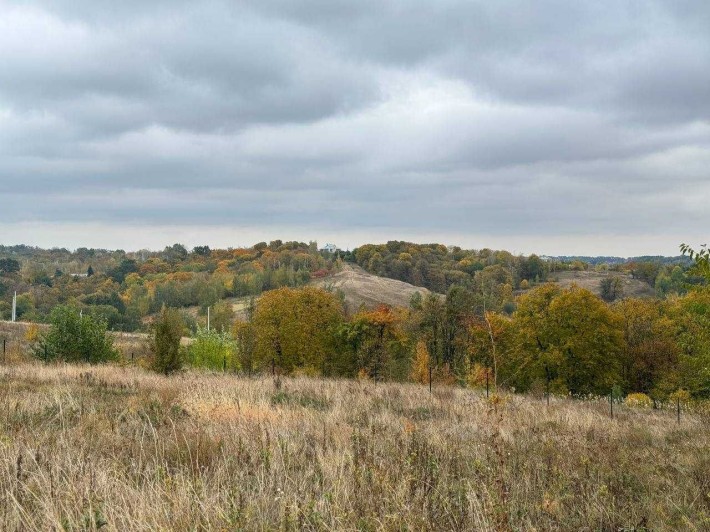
(504, 118)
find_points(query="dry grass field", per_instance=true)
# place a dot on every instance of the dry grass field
(591, 280)
(118, 448)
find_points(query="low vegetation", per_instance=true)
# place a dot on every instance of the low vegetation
(121, 448)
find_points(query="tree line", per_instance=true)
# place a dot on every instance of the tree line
(561, 341)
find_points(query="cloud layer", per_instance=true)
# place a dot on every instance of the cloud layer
(537, 125)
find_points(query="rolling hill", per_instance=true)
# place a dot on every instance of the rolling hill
(592, 280)
(362, 288)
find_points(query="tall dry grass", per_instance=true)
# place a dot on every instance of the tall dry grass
(114, 448)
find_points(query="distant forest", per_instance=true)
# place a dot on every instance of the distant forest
(126, 287)
(439, 268)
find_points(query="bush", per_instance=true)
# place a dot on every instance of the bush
(213, 350)
(165, 342)
(640, 400)
(76, 338)
(682, 396)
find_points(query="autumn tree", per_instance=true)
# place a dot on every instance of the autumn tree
(295, 329)
(421, 364)
(244, 334)
(569, 337)
(691, 318)
(378, 343)
(432, 319)
(491, 349)
(650, 353)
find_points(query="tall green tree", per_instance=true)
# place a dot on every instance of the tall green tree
(165, 342)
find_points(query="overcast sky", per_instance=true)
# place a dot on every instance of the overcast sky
(554, 127)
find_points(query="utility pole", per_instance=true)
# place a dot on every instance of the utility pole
(14, 307)
(208, 319)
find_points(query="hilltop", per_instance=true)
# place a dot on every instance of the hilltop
(361, 288)
(591, 280)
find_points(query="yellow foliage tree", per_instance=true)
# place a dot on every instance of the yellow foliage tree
(420, 365)
(570, 337)
(295, 329)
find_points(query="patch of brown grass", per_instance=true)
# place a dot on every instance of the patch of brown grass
(120, 448)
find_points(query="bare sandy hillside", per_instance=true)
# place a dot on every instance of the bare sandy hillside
(592, 280)
(362, 288)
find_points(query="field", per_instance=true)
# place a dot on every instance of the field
(118, 448)
(592, 281)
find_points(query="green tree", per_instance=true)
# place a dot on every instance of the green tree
(222, 316)
(691, 317)
(570, 336)
(165, 342)
(76, 338)
(701, 259)
(203, 251)
(8, 266)
(611, 289)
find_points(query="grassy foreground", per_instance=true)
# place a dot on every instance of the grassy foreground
(113, 448)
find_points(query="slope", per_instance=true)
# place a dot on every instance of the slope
(362, 288)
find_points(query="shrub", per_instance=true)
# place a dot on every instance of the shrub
(32, 333)
(640, 400)
(213, 350)
(165, 342)
(683, 396)
(222, 317)
(76, 338)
